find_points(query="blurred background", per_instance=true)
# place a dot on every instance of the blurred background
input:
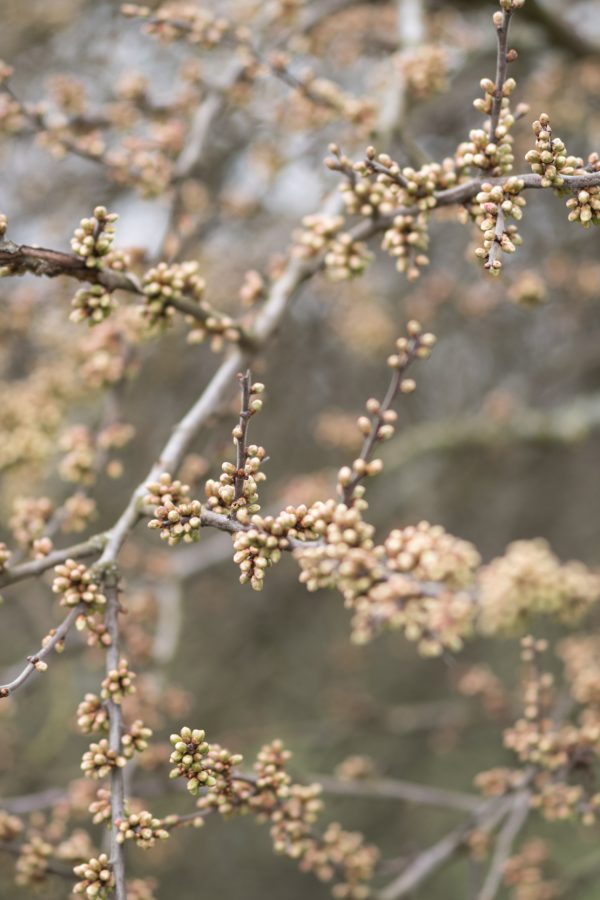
(500, 441)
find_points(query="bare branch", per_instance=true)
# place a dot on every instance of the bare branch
(395, 789)
(33, 661)
(511, 828)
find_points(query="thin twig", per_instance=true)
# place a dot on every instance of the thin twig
(508, 834)
(93, 545)
(501, 70)
(377, 419)
(427, 862)
(241, 437)
(59, 634)
(395, 789)
(117, 781)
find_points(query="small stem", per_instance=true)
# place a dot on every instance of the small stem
(117, 781)
(501, 70)
(241, 442)
(377, 418)
(7, 689)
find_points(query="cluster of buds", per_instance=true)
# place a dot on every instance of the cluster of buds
(496, 204)
(77, 512)
(118, 683)
(327, 97)
(94, 238)
(92, 715)
(429, 553)
(221, 494)
(346, 258)
(98, 634)
(318, 234)
(165, 284)
(143, 828)
(581, 658)
(345, 550)
(93, 304)
(175, 514)
(28, 523)
(550, 159)
(252, 289)
(426, 70)
(100, 809)
(529, 581)
(228, 794)
(97, 880)
(79, 463)
(585, 207)
(292, 810)
(189, 757)
(141, 889)
(10, 826)
(135, 739)
(524, 874)
(379, 186)
(557, 756)
(407, 240)
(77, 584)
(99, 760)
(32, 864)
(170, 22)
(256, 550)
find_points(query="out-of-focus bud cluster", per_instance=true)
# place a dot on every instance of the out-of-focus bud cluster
(176, 515)
(344, 257)
(93, 305)
(529, 581)
(550, 159)
(164, 284)
(32, 863)
(494, 204)
(10, 826)
(79, 463)
(77, 512)
(28, 522)
(77, 584)
(581, 658)
(426, 70)
(524, 873)
(94, 238)
(172, 21)
(559, 758)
